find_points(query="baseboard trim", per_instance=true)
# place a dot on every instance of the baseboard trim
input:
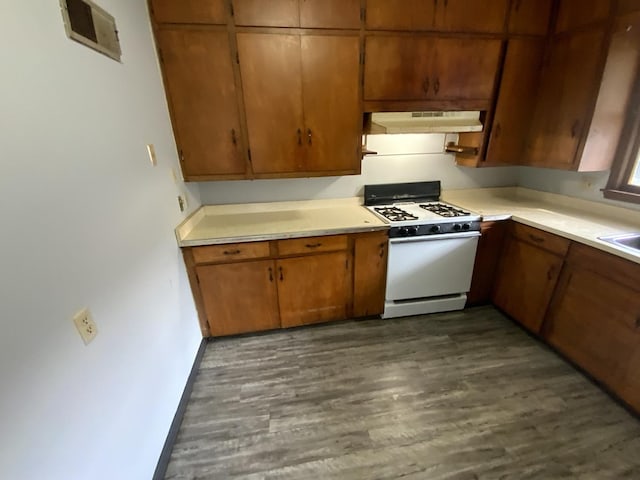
(165, 455)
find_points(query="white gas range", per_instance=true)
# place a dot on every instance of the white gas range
(432, 247)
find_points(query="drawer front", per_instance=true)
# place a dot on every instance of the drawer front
(301, 246)
(230, 252)
(539, 238)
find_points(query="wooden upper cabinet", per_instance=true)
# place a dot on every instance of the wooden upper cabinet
(330, 14)
(274, 13)
(437, 15)
(331, 98)
(298, 13)
(314, 288)
(189, 11)
(239, 297)
(487, 16)
(627, 6)
(431, 68)
(200, 88)
(569, 85)
(400, 14)
(530, 17)
(574, 14)
(272, 83)
(516, 101)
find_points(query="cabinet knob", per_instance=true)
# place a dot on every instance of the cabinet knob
(234, 140)
(309, 134)
(270, 274)
(281, 275)
(313, 245)
(436, 84)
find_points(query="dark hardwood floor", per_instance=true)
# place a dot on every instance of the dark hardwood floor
(463, 395)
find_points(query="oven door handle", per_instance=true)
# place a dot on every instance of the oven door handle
(429, 238)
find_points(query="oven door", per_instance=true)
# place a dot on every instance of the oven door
(430, 266)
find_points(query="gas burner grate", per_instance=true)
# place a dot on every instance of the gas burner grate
(395, 214)
(444, 210)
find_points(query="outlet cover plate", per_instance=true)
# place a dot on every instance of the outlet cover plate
(85, 325)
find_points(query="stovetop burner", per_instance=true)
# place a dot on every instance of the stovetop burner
(395, 214)
(444, 210)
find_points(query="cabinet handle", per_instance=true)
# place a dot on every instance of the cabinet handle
(270, 274)
(299, 137)
(535, 238)
(551, 273)
(381, 252)
(575, 127)
(234, 140)
(313, 245)
(231, 252)
(517, 5)
(425, 86)
(446, 3)
(309, 135)
(461, 149)
(638, 322)
(281, 275)
(497, 131)
(436, 84)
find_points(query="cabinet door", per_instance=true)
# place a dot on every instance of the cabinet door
(486, 262)
(526, 278)
(239, 297)
(420, 67)
(330, 14)
(200, 87)
(331, 88)
(189, 11)
(278, 13)
(400, 14)
(516, 100)
(271, 80)
(530, 16)
(628, 6)
(314, 288)
(487, 16)
(595, 322)
(574, 14)
(568, 88)
(370, 273)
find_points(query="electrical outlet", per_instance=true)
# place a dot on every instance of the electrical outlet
(182, 202)
(85, 325)
(152, 154)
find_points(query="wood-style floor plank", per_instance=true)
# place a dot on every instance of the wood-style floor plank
(458, 396)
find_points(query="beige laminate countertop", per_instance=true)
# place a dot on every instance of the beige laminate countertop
(576, 219)
(215, 224)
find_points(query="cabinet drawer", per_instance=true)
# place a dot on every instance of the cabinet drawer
(299, 246)
(539, 238)
(230, 252)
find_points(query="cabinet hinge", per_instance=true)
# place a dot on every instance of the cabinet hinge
(231, 8)
(363, 14)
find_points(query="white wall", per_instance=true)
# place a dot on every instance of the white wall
(86, 221)
(404, 158)
(585, 185)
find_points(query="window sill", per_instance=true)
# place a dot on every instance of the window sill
(621, 195)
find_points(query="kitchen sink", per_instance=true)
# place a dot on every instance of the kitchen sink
(625, 240)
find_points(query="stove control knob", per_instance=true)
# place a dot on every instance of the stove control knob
(412, 230)
(466, 226)
(457, 227)
(403, 232)
(435, 229)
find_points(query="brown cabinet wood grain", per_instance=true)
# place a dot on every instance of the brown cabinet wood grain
(239, 297)
(526, 279)
(305, 246)
(448, 15)
(370, 273)
(431, 68)
(189, 11)
(343, 14)
(201, 92)
(573, 14)
(314, 288)
(490, 247)
(293, 87)
(275, 13)
(230, 252)
(530, 17)
(516, 101)
(569, 85)
(330, 14)
(595, 319)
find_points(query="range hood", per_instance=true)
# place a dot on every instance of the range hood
(425, 122)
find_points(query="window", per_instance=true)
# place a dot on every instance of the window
(624, 181)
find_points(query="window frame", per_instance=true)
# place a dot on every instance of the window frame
(627, 155)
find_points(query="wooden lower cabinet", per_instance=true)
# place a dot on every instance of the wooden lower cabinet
(528, 274)
(256, 286)
(594, 319)
(239, 297)
(486, 262)
(314, 288)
